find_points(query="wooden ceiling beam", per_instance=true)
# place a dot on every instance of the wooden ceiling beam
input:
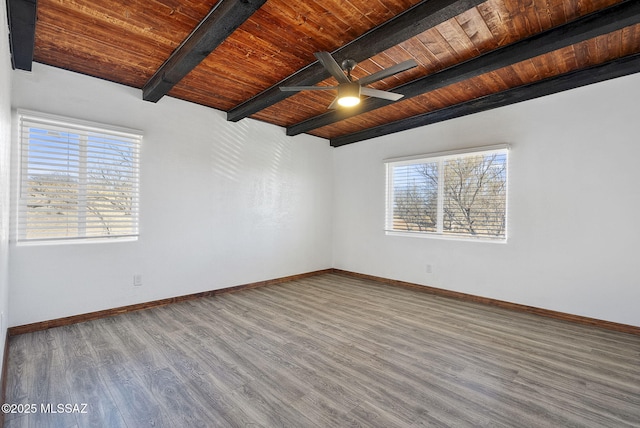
(599, 73)
(602, 22)
(21, 15)
(415, 20)
(223, 19)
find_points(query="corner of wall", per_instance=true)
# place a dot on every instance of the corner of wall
(5, 144)
(332, 211)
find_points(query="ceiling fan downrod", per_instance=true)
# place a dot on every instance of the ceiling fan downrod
(348, 65)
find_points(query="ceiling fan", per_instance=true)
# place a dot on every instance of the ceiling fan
(349, 91)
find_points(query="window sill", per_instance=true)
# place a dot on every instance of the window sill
(75, 241)
(445, 237)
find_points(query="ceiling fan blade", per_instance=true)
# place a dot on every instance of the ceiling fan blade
(332, 66)
(334, 104)
(398, 68)
(370, 92)
(306, 88)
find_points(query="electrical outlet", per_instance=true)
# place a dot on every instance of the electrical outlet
(137, 280)
(429, 269)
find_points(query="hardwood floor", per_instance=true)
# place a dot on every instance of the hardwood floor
(326, 351)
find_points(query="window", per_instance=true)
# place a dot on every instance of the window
(78, 180)
(453, 194)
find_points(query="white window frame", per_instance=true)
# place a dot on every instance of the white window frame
(125, 136)
(440, 157)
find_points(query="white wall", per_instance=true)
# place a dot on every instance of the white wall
(226, 204)
(574, 205)
(222, 204)
(5, 146)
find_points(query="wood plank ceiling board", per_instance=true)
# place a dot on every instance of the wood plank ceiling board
(423, 15)
(215, 28)
(586, 76)
(120, 41)
(574, 31)
(536, 69)
(128, 41)
(265, 49)
(435, 53)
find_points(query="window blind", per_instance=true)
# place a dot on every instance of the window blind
(79, 180)
(460, 194)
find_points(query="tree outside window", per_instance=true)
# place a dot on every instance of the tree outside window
(461, 195)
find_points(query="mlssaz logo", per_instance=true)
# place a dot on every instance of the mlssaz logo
(63, 408)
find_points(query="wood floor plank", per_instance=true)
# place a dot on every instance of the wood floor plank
(328, 350)
(137, 404)
(41, 380)
(90, 393)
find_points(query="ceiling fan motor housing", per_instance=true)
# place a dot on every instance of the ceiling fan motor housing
(348, 65)
(349, 94)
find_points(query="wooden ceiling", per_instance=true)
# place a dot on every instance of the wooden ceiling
(232, 55)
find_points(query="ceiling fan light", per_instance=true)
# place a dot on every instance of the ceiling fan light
(349, 101)
(349, 94)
